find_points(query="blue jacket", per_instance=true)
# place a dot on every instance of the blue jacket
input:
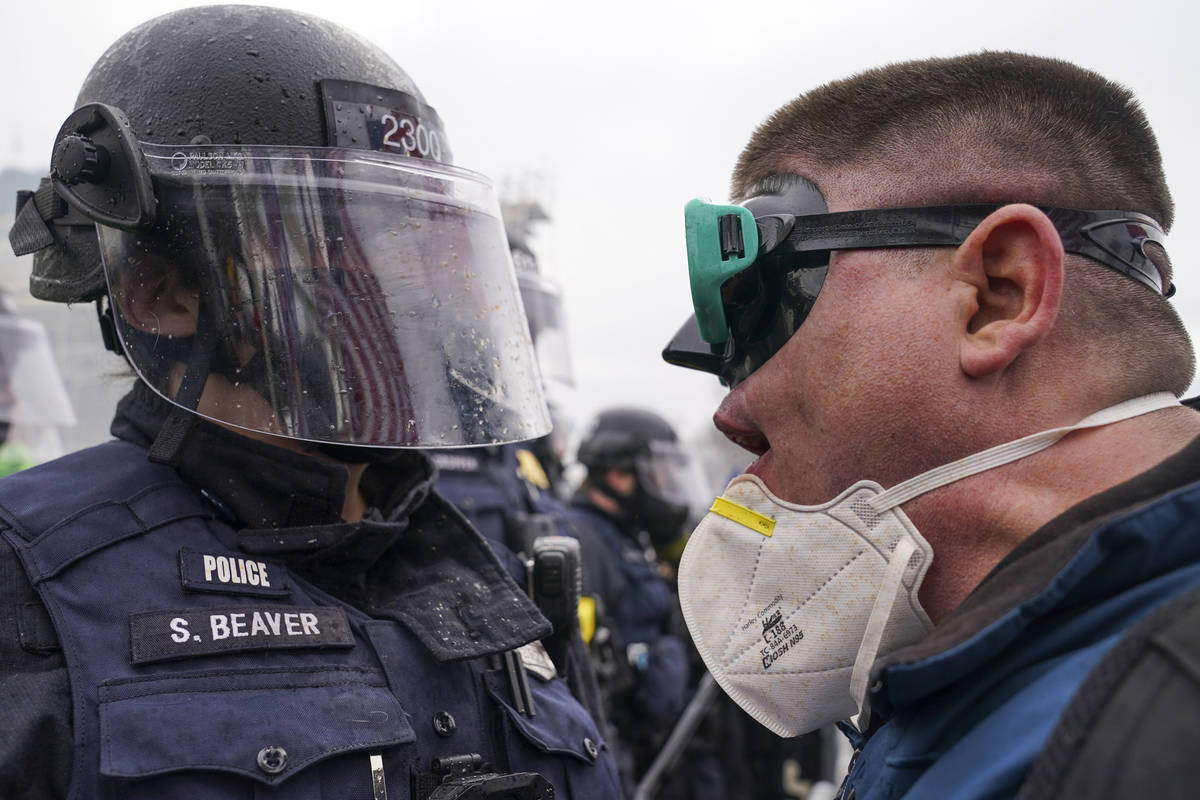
(486, 485)
(964, 713)
(212, 655)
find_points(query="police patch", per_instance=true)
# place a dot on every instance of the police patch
(230, 574)
(170, 635)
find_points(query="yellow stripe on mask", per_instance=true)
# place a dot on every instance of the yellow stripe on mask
(743, 516)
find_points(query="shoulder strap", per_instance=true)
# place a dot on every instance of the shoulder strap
(1120, 736)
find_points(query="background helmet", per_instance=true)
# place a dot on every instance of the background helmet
(284, 182)
(542, 298)
(669, 486)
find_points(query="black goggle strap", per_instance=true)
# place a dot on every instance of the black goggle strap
(1116, 239)
(722, 243)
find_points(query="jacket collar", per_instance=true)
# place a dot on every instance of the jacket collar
(1080, 556)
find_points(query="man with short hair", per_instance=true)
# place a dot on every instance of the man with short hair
(932, 260)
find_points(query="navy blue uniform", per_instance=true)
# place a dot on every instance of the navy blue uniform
(486, 485)
(641, 605)
(227, 635)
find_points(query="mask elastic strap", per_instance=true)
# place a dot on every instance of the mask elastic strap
(885, 601)
(1011, 451)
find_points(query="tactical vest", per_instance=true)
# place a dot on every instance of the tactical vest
(198, 671)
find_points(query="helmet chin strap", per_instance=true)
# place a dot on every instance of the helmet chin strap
(353, 454)
(184, 416)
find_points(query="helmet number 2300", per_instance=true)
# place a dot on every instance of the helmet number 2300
(412, 136)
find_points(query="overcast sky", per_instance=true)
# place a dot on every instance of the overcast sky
(626, 110)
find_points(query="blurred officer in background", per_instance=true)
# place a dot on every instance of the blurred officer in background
(498, 486)
(255, 588)
(506, 491)
(639, 492)
(542, 297)
(33, 401)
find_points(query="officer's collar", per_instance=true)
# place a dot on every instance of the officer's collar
(257, 484)
(417, 562)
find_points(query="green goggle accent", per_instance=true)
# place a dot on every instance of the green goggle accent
(722, 240)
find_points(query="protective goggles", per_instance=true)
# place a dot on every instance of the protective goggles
(756, 269)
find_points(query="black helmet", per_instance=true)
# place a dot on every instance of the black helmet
(669, 488)
(618, 437)
(219, 74)
(280, 186)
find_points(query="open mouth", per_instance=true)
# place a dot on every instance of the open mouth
(744, 437)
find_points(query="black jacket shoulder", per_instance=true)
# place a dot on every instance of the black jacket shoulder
(1131, 729)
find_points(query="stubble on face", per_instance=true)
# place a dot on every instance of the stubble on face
(849, 396)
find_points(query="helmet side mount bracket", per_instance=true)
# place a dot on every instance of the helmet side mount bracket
(99, 169)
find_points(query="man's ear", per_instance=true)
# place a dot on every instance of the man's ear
(152, 298)
(1013, 261)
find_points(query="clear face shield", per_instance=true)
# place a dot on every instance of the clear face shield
(544, 310)
(668, 473)
(328, 295)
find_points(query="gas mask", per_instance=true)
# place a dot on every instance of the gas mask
(790, 605)
(662, 520)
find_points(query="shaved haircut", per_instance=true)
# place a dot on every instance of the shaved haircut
(1001, 127)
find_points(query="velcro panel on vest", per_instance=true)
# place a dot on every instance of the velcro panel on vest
(35, 629)
(229, 574)
(108, 523)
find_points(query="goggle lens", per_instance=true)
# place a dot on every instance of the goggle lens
(749, 300)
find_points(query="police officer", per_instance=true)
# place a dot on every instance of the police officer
(637, 496)
(254, 588)
(542, 297)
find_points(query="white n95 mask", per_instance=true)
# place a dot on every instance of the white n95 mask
(790, 605)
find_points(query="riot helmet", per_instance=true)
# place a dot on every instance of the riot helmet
(668, 484)
(271, 210)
